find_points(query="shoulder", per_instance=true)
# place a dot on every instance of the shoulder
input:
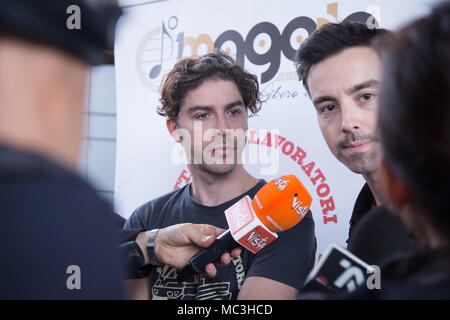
(64, 220)
(254, 190)
(54, 197)
(303, 232)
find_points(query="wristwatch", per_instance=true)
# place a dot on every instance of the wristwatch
(151, 247)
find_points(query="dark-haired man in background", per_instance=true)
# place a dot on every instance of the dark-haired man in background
(341, 73)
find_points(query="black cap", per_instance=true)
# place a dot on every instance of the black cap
(52, 22)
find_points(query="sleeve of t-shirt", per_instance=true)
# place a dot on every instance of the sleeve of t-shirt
(290, 258)
(138, 218)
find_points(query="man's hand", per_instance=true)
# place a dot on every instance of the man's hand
(176, 244)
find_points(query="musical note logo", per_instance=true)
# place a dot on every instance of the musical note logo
(156, 70)
(156, 53)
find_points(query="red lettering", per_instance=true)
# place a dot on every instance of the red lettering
(185, 175)
(327, 219)
(319, 176)
(267, 141)
(252, 140)
(287, 146)
(321, 193)
(327, 205)
(278, 140)
(307, 168)
(299, 155)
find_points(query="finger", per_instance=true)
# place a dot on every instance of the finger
(196, 235)
(207, 241)
(236, 252)
(209, 230)
(225, 260)
(210, 270)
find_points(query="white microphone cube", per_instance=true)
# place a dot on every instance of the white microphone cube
(246, 228)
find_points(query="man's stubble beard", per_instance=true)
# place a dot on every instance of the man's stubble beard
(365, 163)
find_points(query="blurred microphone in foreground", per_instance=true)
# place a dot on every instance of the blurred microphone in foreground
(340, 272)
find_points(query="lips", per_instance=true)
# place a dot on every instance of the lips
(356, 145)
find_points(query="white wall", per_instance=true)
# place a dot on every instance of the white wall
(98, 158)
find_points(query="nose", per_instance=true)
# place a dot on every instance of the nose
(350, 119)
(222, 125)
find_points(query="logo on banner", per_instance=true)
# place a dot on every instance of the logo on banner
(263, 44)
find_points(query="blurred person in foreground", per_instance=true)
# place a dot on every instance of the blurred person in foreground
(57, 238)
(414, 126)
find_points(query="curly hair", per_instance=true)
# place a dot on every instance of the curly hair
(188, 73)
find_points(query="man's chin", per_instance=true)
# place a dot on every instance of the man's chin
(217, 169)
(361, 167)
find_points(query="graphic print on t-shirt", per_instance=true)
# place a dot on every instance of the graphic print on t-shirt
(166, 286)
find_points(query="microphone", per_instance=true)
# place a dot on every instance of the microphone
(338, 272)
(279, 205)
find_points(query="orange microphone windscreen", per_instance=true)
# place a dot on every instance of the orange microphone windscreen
(282, 203)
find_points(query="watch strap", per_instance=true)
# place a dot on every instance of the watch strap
(151, 243)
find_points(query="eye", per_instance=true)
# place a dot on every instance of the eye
(327, 108)
(366, 97)
(235, 112)
(202, 116)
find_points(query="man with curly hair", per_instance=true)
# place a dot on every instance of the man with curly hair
(206, 102)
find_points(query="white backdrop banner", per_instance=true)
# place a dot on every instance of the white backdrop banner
(283, 139)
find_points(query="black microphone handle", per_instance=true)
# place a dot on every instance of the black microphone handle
(224, 243)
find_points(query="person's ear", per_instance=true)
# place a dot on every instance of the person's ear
(395, 190)
(174, 131)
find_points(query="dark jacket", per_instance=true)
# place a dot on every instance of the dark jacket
(57, 237)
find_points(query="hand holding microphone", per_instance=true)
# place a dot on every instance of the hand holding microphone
(278, 205)
(176, 244)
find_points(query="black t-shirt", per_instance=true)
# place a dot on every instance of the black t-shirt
(363, 204)
(288, 259)
(55, 233)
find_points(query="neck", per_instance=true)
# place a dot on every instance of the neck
(214, 189)
(26, 128)
(372, 180)
(41, 99)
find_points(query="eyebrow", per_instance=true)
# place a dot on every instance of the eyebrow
(234, 104)
(367, 84)
(321, 99)
(209, 108)
(199, 108)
